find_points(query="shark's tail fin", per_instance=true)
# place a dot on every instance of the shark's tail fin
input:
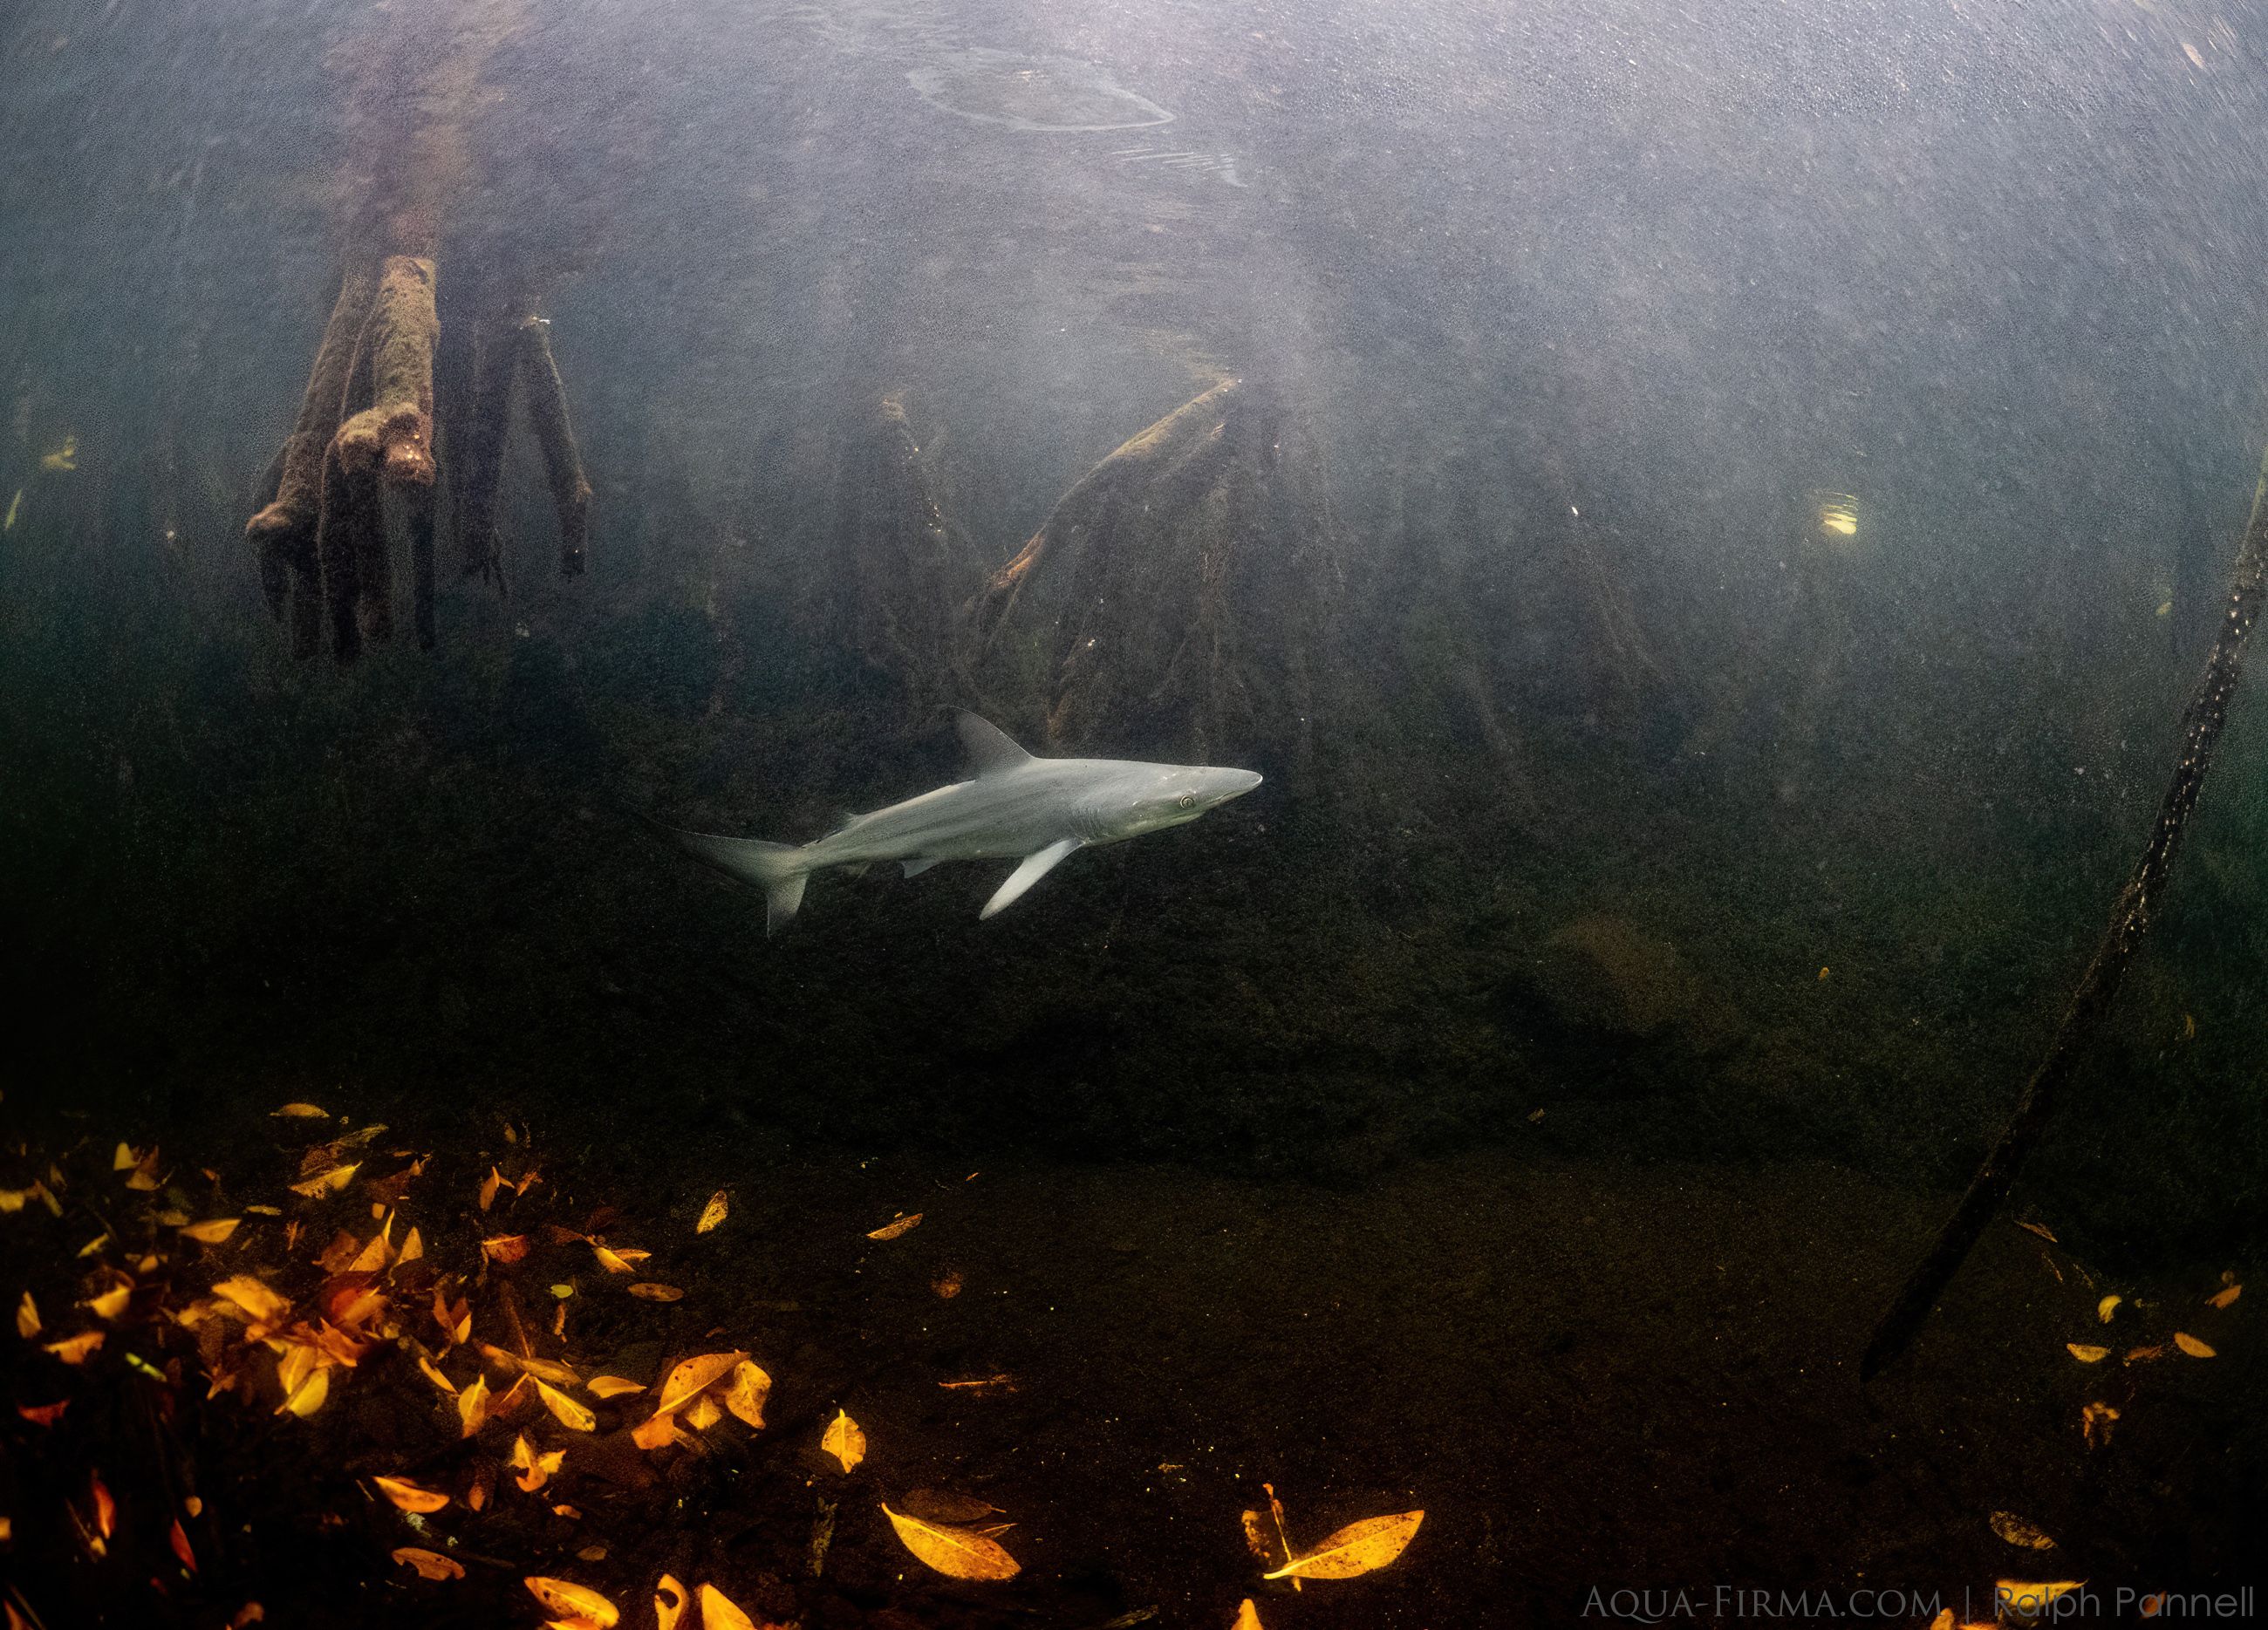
(780, 870)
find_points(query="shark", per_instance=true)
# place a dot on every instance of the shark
(1013, 806)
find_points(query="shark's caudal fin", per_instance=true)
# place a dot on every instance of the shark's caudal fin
(780, 870)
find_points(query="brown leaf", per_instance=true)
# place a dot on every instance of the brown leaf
(2096, 1421)
(410, 1496)
(745, 1392)
(844, 1439)
(2017, 1532)
(473, 1406)
(948, 1283)
(954, 1552)
(578, 1607)
(43, 1414)
(2226, 1296)
(506, 1247)
(714, 1213)
(329, 1182)
(430, 1564)
(211, 1233)
(945, 1505)
(891, 1231)
(254, 1297)
(180, 1542)
(2192, 1346)
(74, 1349)
(145, 1171)
(1358, 1548)
(2088, 1355)
(302, 1112)
(692, 1375)
(2042, 1232)
(1257, 1541)
(657, 1293)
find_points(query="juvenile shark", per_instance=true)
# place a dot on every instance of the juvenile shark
(1013, 805)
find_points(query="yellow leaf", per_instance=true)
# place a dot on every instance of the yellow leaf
(489, 1186)
(719, 1611)
(74, 1350)
(408, 1496)
(126, 1159)
(714, 1213)
(657, 1433)
(610, 1386)
(2088, 1355)
(569, 1413)
(145, 1171)
(958, 1552)
(2192, 1346)
(413, 1247)
(844, 1439)
(1248, 1617)
(2025, 1603)
(2017, 1532)
(536, 1470)
(657, 1293)
(705, 1413)
(430, 1564)
(2106, 1307)
(327, 1182)
(1358, 1548)
(212, 1233)
(301, 1112)
(27, 1317)
(111, 1302)
(608, 1259)
(267, 1211)
(307, 1398)
(473, 1405)
(578, 1607)
(693, 1376)
(2226, 1296)
(2042, 1232)
(254, 1297)
(433, 1374)
(891, 1231)
(745, 1393)
(669, 1602)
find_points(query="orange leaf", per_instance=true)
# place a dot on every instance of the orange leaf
(569, 1413)
(610, 1386)
(2192, 1346)
(430, 1564)
(891, 1231)
(693, 1375)
(578, 1607)
(75, 1349)
(433, 1374)
(2226, 1296)
(705, 1413)
(43, 1414)
(745, 1396)
(307, 1397)
(608, 1260)
(714, 1213)
(106, 1508)
(254, 1297)
(179, 1541)
(2042, 1232)
(506, 1247)
(2088, 1355)
(535, 1469)
(958, 1552)
(844, 1439)
(719, 1611)
(669, 1602)
(27, 1317)
(211, 1233)
(302, 1112)
(489, 1186)
(657, 1433)
(111, 1302)
(410, 1496)
(473, 1406)
(1358, 1548)
(1248, 1617)
(657, 1293)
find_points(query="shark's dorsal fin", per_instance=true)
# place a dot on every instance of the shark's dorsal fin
(988, 747)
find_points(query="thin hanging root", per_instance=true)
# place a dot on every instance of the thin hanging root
(546, 412)
(421, 566)
(2090, 1003)
(285, 530)
(477, 452)
(352, 545)
(395, 434)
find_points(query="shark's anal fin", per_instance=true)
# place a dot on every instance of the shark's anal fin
(1036, 865)
(989, 747)
(919, 864)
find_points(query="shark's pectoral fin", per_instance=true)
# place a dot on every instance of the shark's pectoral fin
(919, 866)
(1036, 865)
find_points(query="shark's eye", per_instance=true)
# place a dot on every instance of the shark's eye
(1187, 799)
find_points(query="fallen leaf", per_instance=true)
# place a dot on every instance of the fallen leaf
(144, 1175)
(844, 1439)
(2025, 1603)
(578, 1607)
(473, 1406)
(2226, 1296)
(43, 1414)
(267, 1211)
(705, 1413)
(126, 1159)
(948, 1283)
(179, 1541)
(535, 1469)
(254, 1297)
(430, 1564)
(111, 1302)
(982, 1384)
(302, 1112)
(1248, 1617)
(714, 1213)
(607, 1260)
(506, 1247)
(2042, 1233)
(2088, 1355)
(2106, 1307)
(2096, 1421)
(891, 1231)
(569, 1414)
(610, 1386)
(307, 1397)
(106, 1508)
(954, 1552)
(489, 1186)
(1358, 1548)
(745, 1393)
(2192, 1346)
(669, 1602)
(211, 1233)
(27, 1317)
(657, 1293)
(1256, 1540)
(410, 1496)
(944, 1505)
(2017, 1532)
(74, 1349)
(327, 1182)
(659, 1432)
(719, 1611)
(2142, 1354)
(691, 1377)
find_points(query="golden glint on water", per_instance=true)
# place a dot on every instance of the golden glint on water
(1839, 514)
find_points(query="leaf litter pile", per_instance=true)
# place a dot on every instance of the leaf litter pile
(395, 1385)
